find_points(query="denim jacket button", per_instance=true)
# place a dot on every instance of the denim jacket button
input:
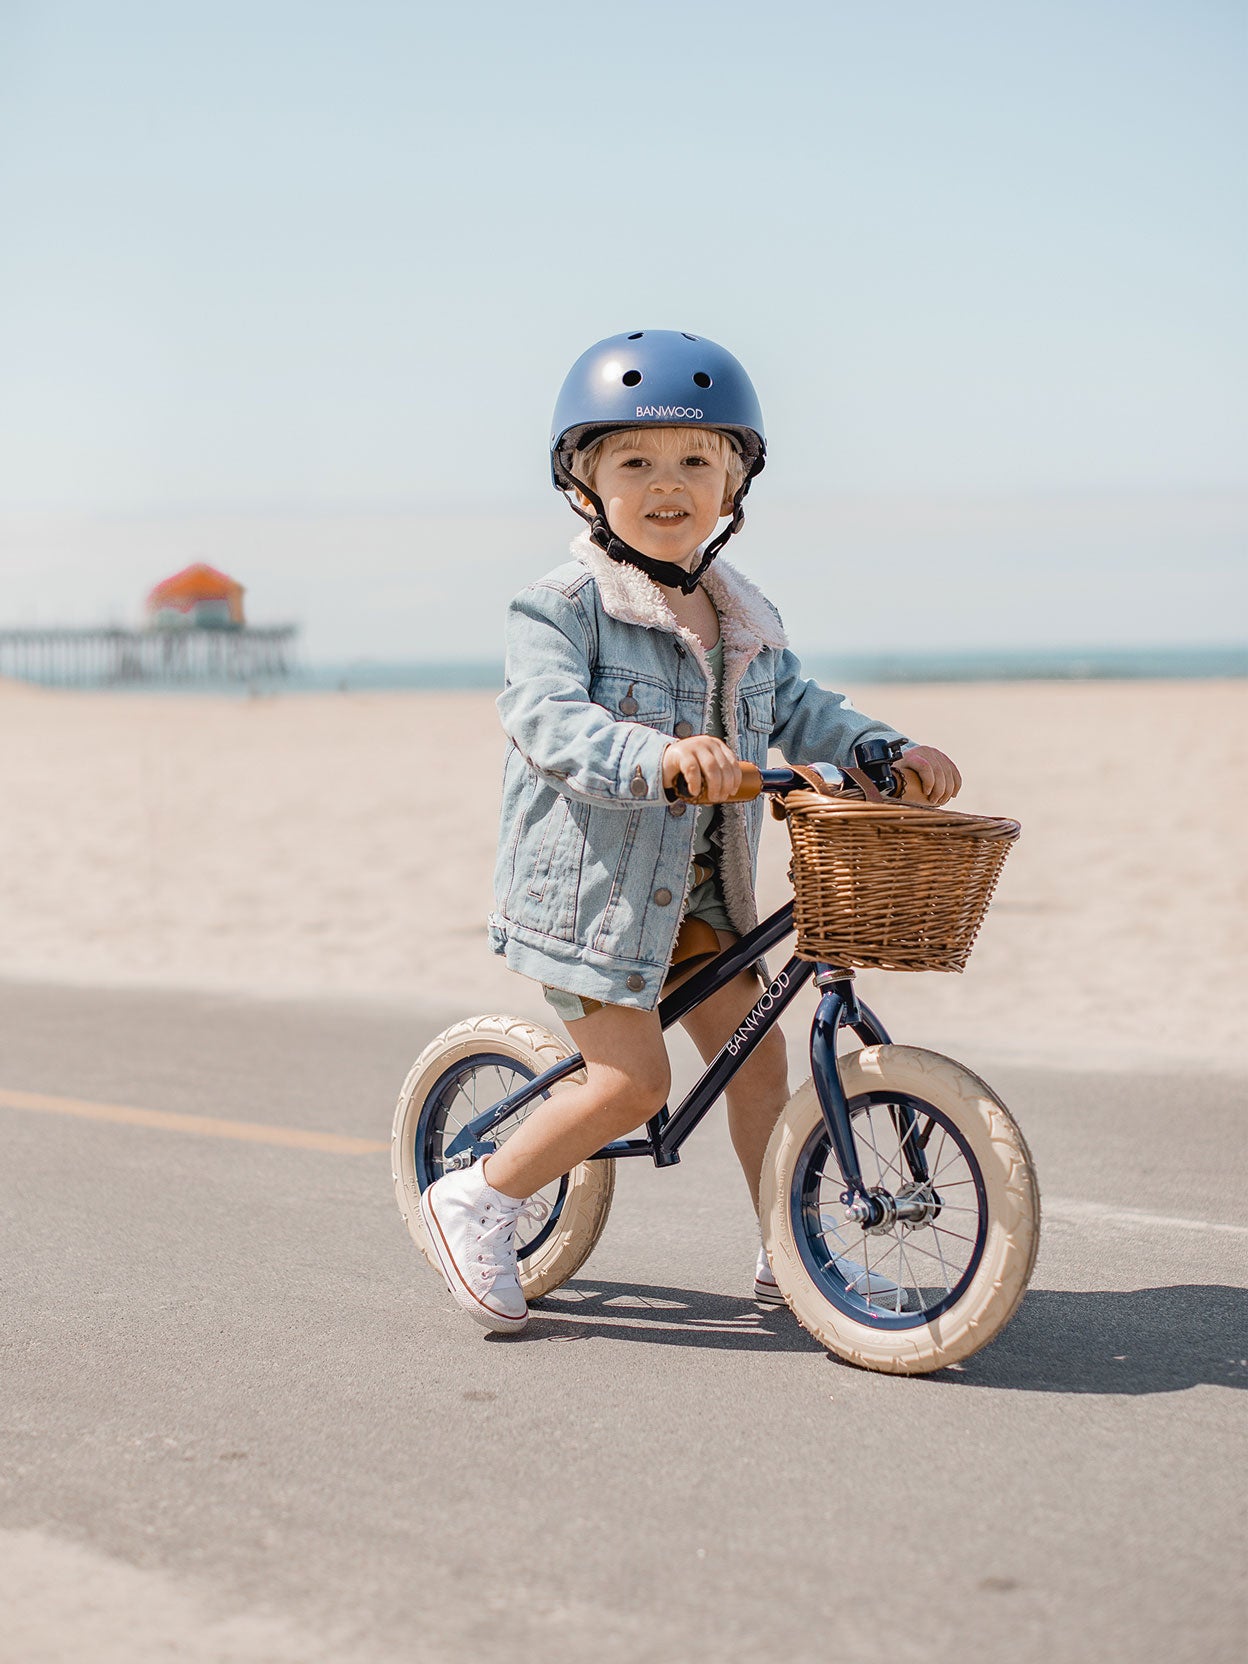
(636, 982)
(638, 787)
(677, 809)
(682, 730)
(662, 897)
(628, 706)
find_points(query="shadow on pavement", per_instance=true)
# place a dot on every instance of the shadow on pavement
(664, 1317)
(1120, 1343)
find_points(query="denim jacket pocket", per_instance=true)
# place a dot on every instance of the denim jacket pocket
(757, 721)
(553, 828)
(760, 710)
(555, 875)
(631, 698)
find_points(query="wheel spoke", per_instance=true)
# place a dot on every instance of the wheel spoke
(881, 1162)
(936, 1173)
(935, 1164)
(911, 1279)
(917, 1248)
(944, 1268)
(957, 1235)
(878, 1238)
(900, 1272)
(872, 1146)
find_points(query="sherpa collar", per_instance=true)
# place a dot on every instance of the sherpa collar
(747, 620)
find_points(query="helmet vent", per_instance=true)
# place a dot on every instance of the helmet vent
(632, 378)
(637, 335)
(701, 379)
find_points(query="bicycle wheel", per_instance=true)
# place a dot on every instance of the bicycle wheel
(464, 1070)
(906, 1297)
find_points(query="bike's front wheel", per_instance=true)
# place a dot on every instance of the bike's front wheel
(465, 1070)
(945, 1270)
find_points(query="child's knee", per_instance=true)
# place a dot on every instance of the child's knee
(640, 1089)
(648, 1084)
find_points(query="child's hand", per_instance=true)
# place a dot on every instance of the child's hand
(928, 775)
(709, 768)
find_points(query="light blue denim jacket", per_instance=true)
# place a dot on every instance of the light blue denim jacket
(593, 864)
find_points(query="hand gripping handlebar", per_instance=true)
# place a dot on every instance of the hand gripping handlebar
(872, 772)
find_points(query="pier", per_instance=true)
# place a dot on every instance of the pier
(94, 657)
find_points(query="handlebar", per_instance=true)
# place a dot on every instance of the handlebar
(873, 758)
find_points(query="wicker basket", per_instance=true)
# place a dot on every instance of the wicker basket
(891, 888)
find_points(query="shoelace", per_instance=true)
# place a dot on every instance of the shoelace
(534, 1211)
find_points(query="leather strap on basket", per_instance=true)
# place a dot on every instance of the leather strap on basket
(859, 778)
(825, 788)
(866, 785)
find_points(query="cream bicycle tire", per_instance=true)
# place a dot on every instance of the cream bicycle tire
(1008, 1208)
(590, 1185)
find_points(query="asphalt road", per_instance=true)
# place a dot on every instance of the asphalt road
(241, 1420)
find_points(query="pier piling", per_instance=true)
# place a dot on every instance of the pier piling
(94, 657)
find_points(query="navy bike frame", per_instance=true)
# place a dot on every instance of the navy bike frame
(668, 1130)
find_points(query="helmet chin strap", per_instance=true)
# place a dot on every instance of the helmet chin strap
(665, 572)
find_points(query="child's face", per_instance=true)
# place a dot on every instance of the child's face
(663, 495)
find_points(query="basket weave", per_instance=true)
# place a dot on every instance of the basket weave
(890, 887)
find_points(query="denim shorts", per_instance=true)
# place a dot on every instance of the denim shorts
(705, 902)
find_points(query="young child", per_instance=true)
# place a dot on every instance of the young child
(640, 659)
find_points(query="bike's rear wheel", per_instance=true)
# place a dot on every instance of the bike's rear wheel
(907, 1297)
(464, 1070)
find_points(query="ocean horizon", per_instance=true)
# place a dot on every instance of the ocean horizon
(1094, 664)
(1014, 664)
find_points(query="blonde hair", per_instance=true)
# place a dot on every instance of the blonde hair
(707, 440)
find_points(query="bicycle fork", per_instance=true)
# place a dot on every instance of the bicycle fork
(874, 1207)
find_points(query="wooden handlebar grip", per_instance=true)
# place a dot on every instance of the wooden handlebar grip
(751, 786)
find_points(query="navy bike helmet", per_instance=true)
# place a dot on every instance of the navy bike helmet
(656, 378)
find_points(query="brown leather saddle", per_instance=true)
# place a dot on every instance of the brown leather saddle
(696, 942)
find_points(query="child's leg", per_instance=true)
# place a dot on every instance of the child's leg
(627, 1081)
(760, 1088)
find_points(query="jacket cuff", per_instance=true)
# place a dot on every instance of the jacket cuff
(643, 765)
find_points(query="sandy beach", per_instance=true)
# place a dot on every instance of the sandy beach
(342, 845)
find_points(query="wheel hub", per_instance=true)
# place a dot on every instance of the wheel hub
(917, 1204)
(879, 1211)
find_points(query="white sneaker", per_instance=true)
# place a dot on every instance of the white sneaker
(766, 1288)
(872, 1285)
(472, 1228)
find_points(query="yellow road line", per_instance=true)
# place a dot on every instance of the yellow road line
(204, 1126)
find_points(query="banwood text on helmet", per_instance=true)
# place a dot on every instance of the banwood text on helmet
(655, 378)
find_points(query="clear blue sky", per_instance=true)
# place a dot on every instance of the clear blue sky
(291, 287)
